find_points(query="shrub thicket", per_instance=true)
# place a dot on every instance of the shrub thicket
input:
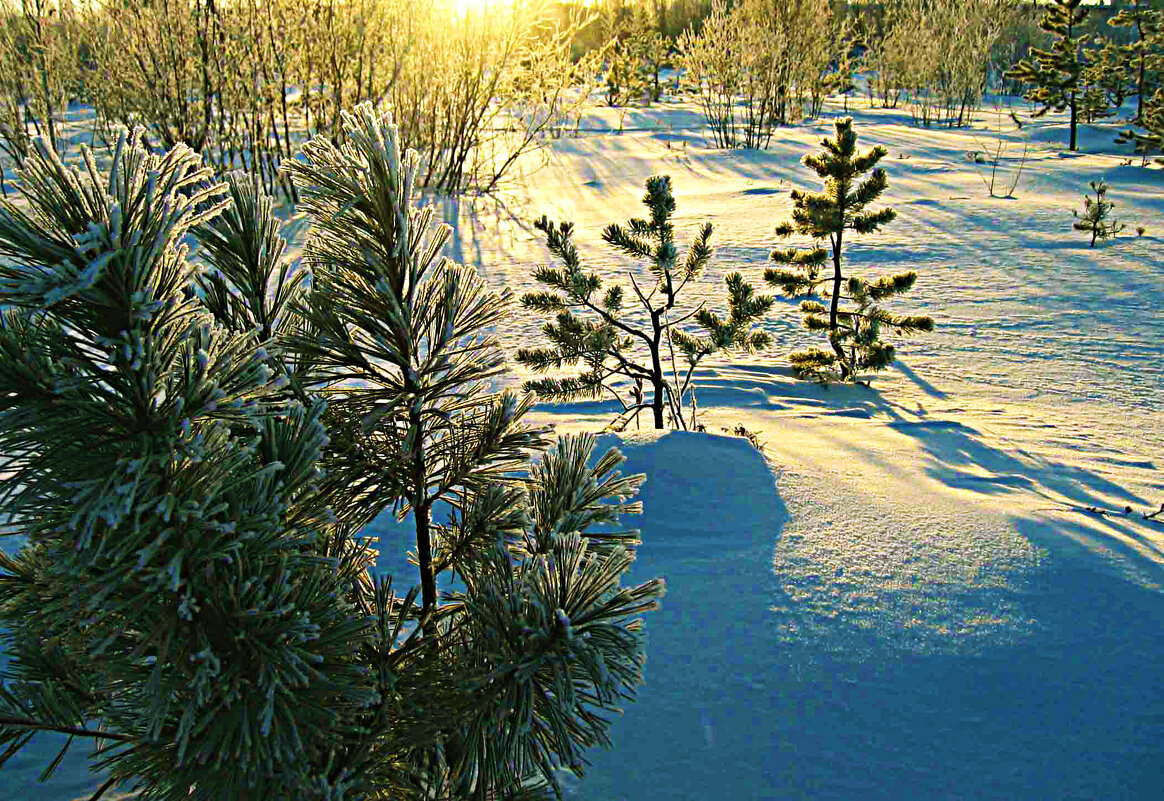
(245, 83)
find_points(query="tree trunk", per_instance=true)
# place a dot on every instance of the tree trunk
(1140, 88)
(657, 380)
(1074, 118)
(657, 406)
(837, 349)
(423, 515)
(422, 511)
(659, 387)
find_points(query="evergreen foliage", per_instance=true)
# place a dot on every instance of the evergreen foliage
(594, 328)
(1094, 103)
(1144, 57)
(1105, 81)
(1151, 139)
(422, 428)
(1094, 218)
(636, 58)
(410, 326)
(1148, 60)
(1057, 74)
(147, 460)
(839, 208)
(168, 443)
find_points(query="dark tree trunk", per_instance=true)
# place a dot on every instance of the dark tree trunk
(1074, 118)
(660, 388)
(1140, 87)
(657, 362)
(837, 349)
(423, 515)
(657, 406)
(422, 511)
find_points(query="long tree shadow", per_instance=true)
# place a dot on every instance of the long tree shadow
(710, 645)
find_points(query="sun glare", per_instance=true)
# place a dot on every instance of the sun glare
(465, 7)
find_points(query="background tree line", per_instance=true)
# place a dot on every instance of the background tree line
(758, 64)
(243, 83)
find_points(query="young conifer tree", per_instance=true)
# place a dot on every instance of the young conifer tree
(151, 456)
(1094, 103)
(1144, 55)
(594, 329)
(1150, 61)
(388, 311)
(1150, 140)
(401, 343)
(1057, 73)
(175, 598)
(1094, 218)
(1107, 76)
(840, 208)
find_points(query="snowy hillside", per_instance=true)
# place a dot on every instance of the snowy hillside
(904, 596)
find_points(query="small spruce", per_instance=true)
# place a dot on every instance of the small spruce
(1094, 218)
(854, 333)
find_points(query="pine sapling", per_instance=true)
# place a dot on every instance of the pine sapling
(853, 333)
(152, 454)
(400, 341)
(594, 329)
(389, 310)
(1094, 218)
(174, 597)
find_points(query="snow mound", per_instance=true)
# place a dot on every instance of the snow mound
(816, 642)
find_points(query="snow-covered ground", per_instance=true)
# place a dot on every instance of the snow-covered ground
(904, 595)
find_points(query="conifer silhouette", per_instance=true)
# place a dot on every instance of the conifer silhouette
(1094, 218)
(853, 333)
(602, 336)
(1057, 73)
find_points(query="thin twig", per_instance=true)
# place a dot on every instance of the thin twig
(29, 723)
(1019, 173)
(645, 301)
(101, 790)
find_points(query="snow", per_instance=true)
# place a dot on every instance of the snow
(904, 595)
